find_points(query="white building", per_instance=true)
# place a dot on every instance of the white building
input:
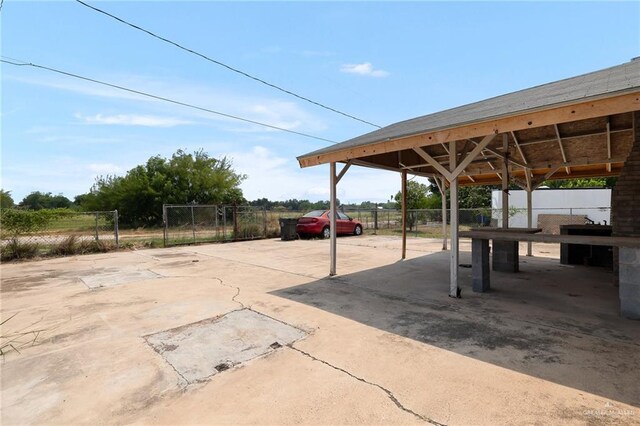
(578, 205)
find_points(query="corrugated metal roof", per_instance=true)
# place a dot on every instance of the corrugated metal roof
(610, 81)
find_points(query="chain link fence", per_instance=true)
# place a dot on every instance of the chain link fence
(429, 222)
(28, 233)
(191, 224)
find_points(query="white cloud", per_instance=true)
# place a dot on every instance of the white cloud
(105, 168)
(279, 177)
(365, 68)
(132, 120)
(269, 110)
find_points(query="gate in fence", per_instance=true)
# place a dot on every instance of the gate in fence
(191, 223)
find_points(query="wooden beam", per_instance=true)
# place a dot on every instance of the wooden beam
(564, 157)
(570, 137)
(343, 171)
(539, 181)
(581, 161)
(499, 154)
(491, 165)
(432, 161)
(473, 154)
(391, 169)
(597, 107)
(464, 152)
(513, 135)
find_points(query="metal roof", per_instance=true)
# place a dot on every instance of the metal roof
(599, 84)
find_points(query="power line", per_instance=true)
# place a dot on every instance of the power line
(161, 98)
(236, 70)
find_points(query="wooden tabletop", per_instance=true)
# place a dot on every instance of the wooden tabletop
(520, 230)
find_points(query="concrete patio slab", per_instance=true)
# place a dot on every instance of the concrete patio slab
(384, 344)
(200, 350)
(106, 279)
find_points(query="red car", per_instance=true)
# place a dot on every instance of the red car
(317, 223)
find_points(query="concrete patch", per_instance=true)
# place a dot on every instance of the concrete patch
(200, 350)
(116, 278)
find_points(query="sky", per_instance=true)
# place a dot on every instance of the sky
(382, 62)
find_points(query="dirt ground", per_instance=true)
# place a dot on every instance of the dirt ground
(256, 332)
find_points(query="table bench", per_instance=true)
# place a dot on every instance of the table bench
(628, 260)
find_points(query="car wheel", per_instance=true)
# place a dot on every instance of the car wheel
(326, 232)
(357, 230)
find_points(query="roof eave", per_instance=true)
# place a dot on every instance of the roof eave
(589, 107)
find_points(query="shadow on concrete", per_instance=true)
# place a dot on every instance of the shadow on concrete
(555, 322)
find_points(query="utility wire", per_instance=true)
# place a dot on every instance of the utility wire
(230, 68)
(161, 98)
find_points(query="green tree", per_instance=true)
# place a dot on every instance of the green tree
(416, 196)
(39, 200)
(602, 182)
(184, 179)
(6, 201)
(472, 197)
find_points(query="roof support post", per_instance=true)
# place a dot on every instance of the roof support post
(404, 214)
(505, 181)
(453, 189)
(529, 190)
(332, 216)
(529, 216)
(441, 182)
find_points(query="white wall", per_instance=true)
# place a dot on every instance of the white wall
(592, 203)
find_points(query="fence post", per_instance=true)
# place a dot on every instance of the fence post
(375, 219)
(217, 213)
(165, 222)
(97, 217)
(235, 221)
(193, 225)
(116, 231)
(264, 221)
(224, 223)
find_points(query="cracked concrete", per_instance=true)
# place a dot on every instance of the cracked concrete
(390, 394)
(384, 346)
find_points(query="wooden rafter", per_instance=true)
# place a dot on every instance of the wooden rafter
(433, 162)
(515, 139)
(491, 165)
(566, 138)
(564, 156)
(500, 154)
(580, 161)
(539, 181)
(565, 113)
(343, 171)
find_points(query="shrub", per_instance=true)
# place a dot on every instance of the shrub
(93, 246)
(72, 246)
(15, 249)
(66, 247)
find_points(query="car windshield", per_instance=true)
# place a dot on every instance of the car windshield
(315, 213)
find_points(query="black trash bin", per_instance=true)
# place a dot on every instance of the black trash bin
(288, 229)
